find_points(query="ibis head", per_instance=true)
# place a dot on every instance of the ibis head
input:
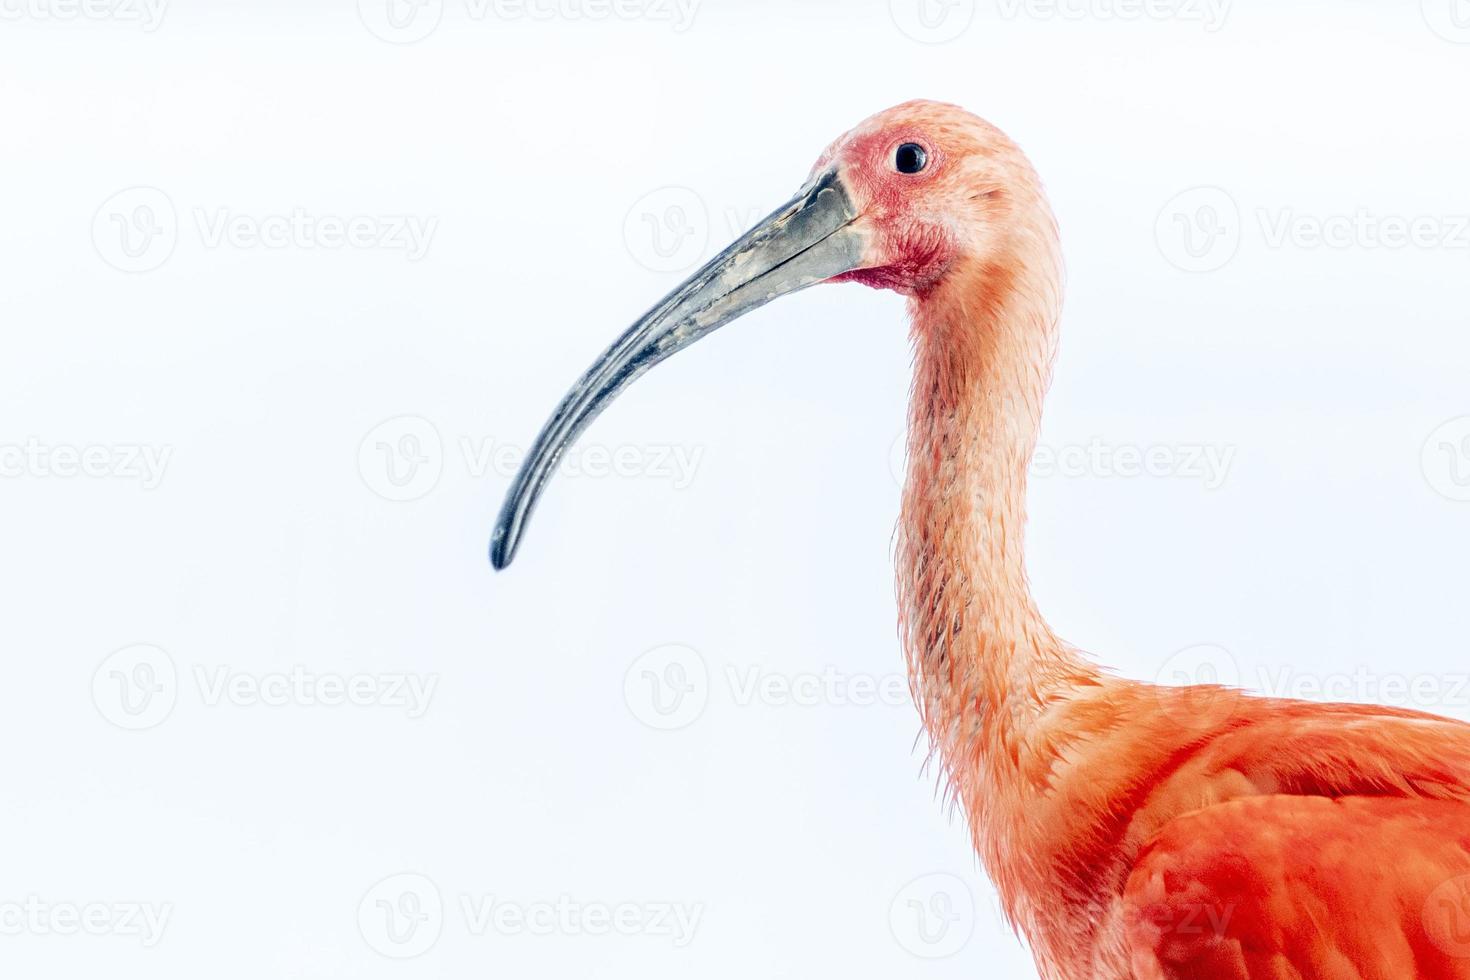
(899, 202)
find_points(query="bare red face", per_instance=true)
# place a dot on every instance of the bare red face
(890, 173)
(930, 181)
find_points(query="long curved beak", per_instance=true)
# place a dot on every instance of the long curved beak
(812, 238)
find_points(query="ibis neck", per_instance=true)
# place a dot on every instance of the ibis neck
(983, 661)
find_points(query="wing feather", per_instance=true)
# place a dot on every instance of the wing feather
(1349, 888)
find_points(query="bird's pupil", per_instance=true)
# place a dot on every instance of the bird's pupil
(911, 158)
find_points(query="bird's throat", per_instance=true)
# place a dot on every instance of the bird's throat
(981, 657)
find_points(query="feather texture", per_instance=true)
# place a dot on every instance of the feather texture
(1132, 831)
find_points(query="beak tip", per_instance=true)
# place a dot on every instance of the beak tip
(501, 550)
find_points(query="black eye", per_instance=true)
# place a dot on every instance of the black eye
(911, 158)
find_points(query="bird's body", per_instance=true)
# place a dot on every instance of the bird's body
(1139, 832)
(1133, 832)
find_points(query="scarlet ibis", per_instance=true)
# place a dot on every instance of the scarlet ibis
(1131, 830)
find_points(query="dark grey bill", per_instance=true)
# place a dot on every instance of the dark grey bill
(810, 239)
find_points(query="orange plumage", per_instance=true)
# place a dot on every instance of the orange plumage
(1133, 831)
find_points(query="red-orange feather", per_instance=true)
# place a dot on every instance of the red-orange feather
(1133, 832)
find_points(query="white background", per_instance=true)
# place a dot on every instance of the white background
(285, 387)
